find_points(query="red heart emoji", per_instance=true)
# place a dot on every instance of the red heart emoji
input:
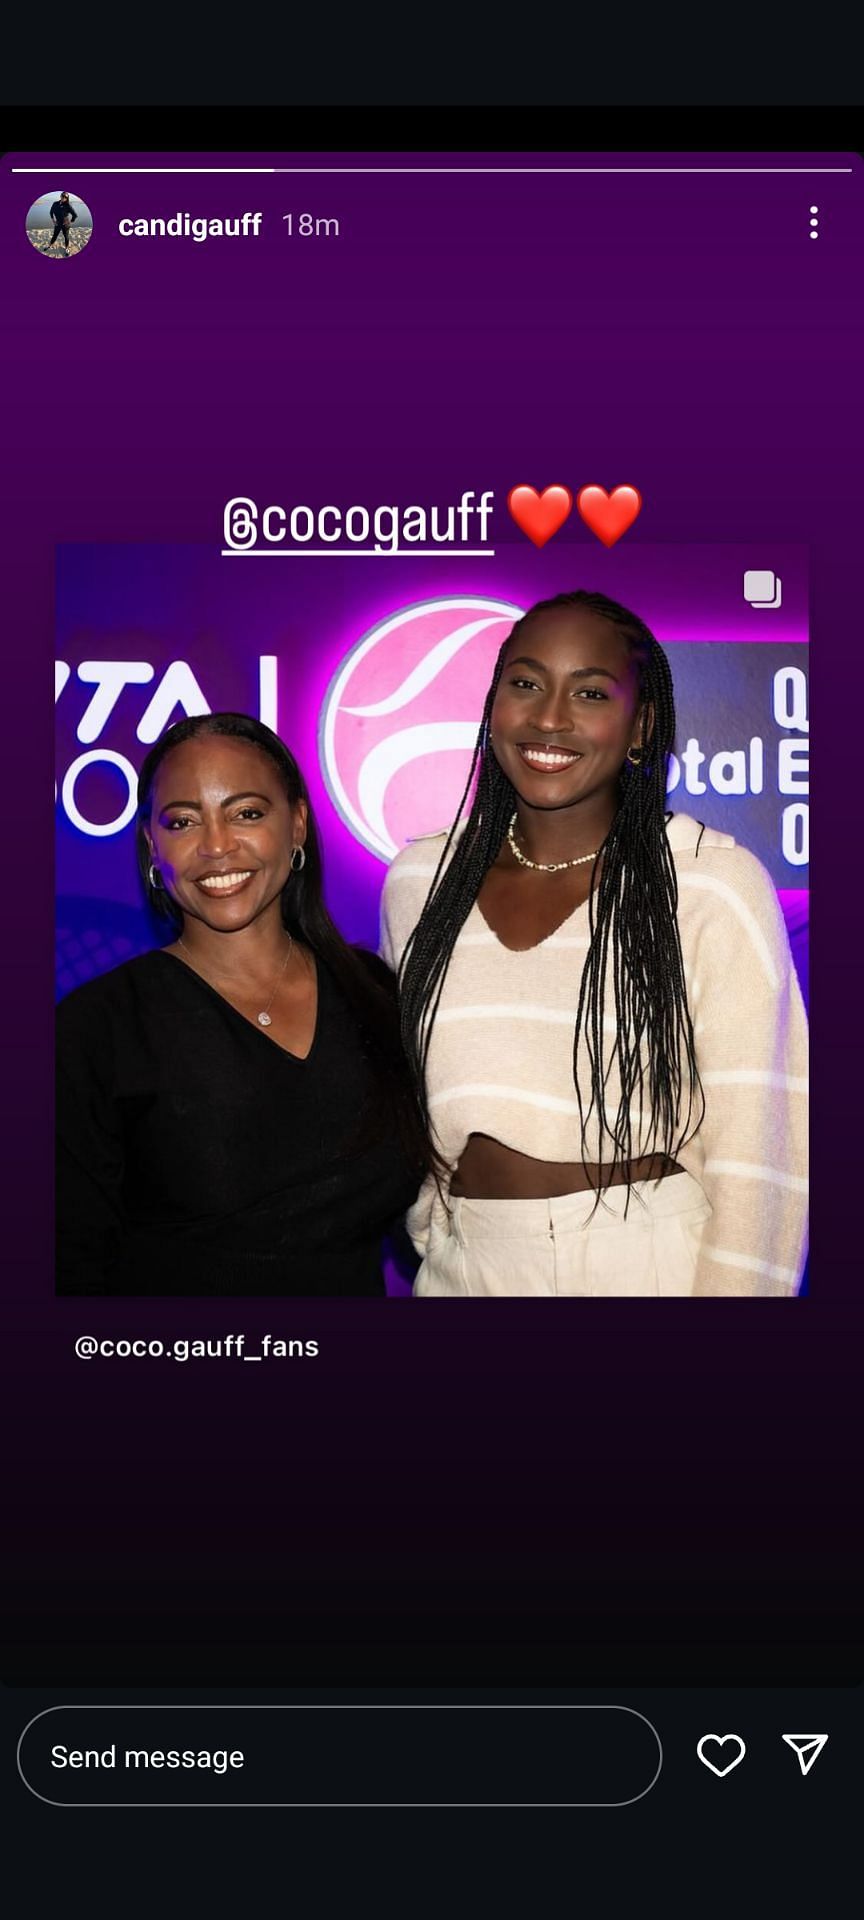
(609, 514)
(540, 514)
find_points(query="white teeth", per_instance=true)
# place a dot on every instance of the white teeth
(544, 758)
(219, 882)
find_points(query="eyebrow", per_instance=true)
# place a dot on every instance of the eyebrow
(228, 802)
(578, 673)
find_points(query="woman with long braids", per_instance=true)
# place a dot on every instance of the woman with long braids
(234, 1110)
(598, 1000)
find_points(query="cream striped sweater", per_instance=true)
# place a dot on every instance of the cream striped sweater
(501, 1058)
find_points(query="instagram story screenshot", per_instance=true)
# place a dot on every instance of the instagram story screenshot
(436, 555)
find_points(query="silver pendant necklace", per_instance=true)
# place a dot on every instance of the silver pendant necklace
(544, 866)
(264, 1017)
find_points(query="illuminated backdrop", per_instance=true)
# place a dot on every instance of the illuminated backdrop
(373, 670)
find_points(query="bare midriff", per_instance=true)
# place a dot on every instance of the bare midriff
(490, 1171)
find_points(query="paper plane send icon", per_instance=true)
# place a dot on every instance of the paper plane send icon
(808, 1747)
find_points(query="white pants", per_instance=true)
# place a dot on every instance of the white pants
(540, 1247)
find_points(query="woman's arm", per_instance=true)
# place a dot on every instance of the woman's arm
(403, 895)
(90, 1160)
(387, 941)
(751, 1048)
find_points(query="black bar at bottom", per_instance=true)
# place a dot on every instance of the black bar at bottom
(337, 1755)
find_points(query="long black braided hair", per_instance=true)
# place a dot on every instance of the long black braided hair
(632, 914)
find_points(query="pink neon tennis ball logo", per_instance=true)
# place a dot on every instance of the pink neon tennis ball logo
(400, 717)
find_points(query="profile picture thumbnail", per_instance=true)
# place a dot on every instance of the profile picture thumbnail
(59, 224)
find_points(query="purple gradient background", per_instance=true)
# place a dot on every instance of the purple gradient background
(654, 1493)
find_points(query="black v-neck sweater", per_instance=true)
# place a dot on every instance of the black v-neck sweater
(195, 1156)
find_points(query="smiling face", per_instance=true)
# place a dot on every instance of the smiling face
(566, 709)
(222, 830)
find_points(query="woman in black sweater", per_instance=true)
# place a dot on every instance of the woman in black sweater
(234, 1113)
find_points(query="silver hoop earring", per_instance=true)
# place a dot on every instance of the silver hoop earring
(155, 878)
(298, 859)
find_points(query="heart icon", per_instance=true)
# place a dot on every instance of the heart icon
(609, 514)
(717, 1741)
(540, 514)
